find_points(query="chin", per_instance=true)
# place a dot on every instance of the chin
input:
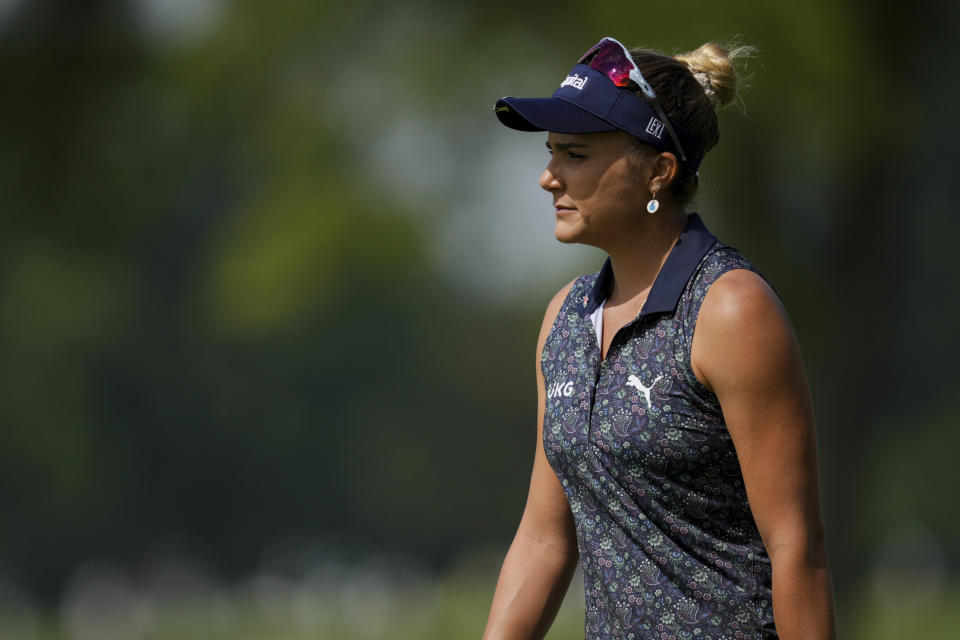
(569, 234)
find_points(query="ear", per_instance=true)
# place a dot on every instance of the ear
(663, 170)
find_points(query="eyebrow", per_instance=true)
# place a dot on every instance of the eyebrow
(563, 146)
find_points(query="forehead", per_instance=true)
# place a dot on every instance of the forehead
(604, 139)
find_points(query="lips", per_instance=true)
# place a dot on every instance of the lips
(564, 208)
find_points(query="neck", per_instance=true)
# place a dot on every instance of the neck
(636, 257)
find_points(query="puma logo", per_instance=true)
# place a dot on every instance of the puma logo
(634, 381)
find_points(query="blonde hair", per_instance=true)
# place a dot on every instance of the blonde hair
(712, 66)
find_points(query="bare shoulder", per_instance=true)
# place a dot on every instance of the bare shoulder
(742, 328)
(741, 298)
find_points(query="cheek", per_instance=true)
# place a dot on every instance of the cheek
(583, 183)
(623, 189)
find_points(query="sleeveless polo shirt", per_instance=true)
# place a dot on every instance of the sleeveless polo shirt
(668, 545)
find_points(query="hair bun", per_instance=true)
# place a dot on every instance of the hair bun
(712, 66)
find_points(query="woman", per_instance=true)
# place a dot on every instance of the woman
(676, 453)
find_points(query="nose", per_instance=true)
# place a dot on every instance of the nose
(549, 181)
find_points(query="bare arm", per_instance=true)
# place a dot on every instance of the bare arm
(744, 350)
(543, 556)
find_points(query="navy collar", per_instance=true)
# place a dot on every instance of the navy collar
(686, 254)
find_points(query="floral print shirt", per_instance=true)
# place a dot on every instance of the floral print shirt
(668, 544)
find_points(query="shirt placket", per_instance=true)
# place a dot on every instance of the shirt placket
(604, 372)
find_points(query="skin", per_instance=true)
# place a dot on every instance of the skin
(744, 350)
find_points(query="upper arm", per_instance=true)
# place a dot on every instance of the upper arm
(745, 351)
(547, 513)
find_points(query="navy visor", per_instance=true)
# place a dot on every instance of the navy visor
(587, 101)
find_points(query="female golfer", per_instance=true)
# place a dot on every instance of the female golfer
(676, 454)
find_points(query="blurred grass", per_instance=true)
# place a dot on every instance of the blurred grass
(453, 608)
(933, 618)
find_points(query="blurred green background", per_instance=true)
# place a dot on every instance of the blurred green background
(272, 277)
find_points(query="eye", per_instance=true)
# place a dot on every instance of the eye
(576, 156)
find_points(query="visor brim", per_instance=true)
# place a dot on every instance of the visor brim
(548, 114)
